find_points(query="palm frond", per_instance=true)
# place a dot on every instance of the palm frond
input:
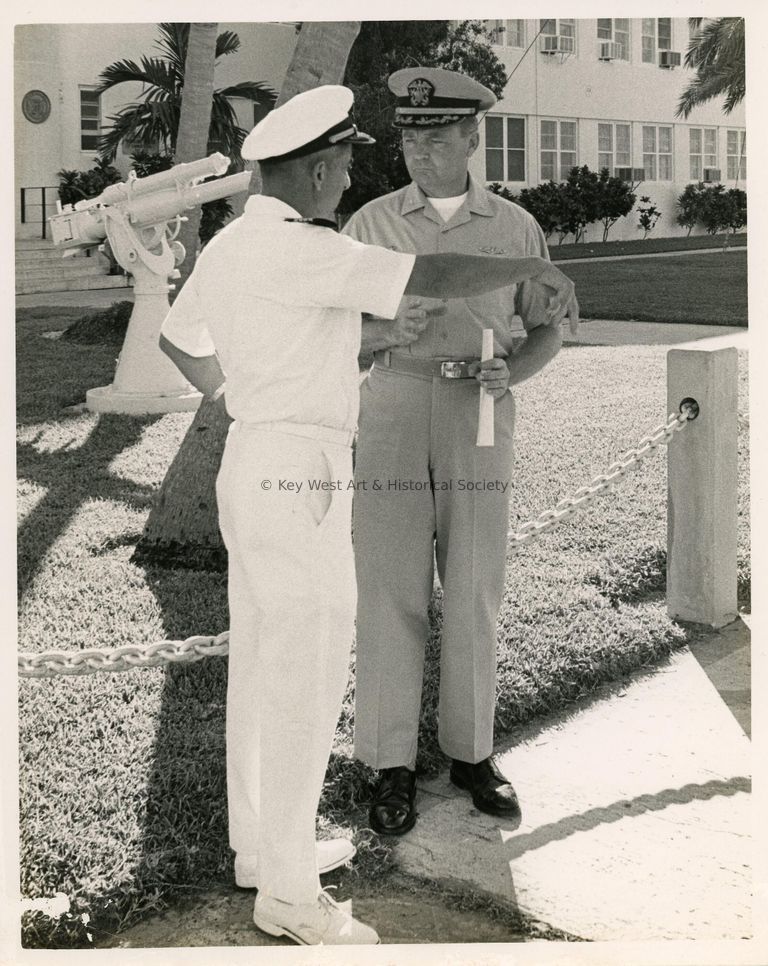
(227, 42)
(717, 55)
(253, 91)
(174, 38)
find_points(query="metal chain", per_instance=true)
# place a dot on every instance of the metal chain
(602, 483)
(52, 663)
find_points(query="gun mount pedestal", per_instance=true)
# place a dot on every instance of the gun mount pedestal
(146, 381)
(135, 217)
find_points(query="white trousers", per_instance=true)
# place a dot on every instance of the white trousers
(292, 600)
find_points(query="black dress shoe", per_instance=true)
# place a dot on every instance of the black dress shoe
(393, 811)
(490, 790)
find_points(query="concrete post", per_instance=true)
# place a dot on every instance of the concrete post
(702, 481)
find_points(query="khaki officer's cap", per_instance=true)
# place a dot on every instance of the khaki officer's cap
(310, 121)
(429, 96)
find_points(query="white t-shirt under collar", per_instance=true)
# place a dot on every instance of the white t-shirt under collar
(447, 207)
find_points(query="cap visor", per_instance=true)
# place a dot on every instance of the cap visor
(359, 138)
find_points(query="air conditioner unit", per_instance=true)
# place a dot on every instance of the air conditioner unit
(711, 174)
(629, 174)
(669, 58)
(557, 44)
(610, 50)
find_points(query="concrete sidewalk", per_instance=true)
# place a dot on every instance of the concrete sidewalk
(636, 809)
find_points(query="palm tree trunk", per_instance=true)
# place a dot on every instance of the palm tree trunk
(182, 529)
(194, 124)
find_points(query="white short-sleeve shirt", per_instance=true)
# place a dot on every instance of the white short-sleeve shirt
(279, 302)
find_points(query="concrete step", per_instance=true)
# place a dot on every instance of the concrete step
(31, 287)
(34, 244)
(44, 254)
(61, 271)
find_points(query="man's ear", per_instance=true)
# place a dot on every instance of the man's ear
(319, 173)
(474, 140)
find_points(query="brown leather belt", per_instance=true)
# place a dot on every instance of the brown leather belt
(446, 369)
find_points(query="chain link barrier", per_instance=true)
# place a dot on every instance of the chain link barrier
(75, 663)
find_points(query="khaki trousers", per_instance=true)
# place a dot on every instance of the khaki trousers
(292, 604)
(422, 430)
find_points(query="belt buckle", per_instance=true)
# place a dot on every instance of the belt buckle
(453, 370)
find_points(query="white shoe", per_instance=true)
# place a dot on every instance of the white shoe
(331, 853)
(323, 923)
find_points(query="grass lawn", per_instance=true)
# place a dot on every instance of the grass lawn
(710, 289)
(123, 802)
(642, 246)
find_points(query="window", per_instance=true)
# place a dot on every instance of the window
(506, 33)
(553, 27)
(657, 153)
(90, 119)
(558, 149)
(504, 148)
(703, 150)
(617, 31)
(614, 146)
(736, 155)
(657, 35)
(515, 33)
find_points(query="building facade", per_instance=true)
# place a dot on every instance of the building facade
(603, 93)
(58, 116)
(600, 92)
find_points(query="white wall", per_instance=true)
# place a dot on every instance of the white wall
(582, 88)
(59, 59)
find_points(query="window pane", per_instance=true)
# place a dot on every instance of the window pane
(732, 167)
(89, 142)
(604, 31)
(695, 136)
(665, 140)
(665, 33)
(549, 135)
(515, 132)
(623, 142)
(567, 161)
(743, 168)
(89, 110)
(548, 159)
(649, 139)
(743, 142)
(649, 50)
(548, 26)
(665, 167)
(710, 140)
(494, 165)
(89, 125)
(622, 23)
(649, 165)
(568, 28)
(568, 135)
(733, 142)
(696, 167)
(604, 137)
(649, 27)
(515, 33)
(604, 161)
(89, 97)
(516, 164)
(494, 132)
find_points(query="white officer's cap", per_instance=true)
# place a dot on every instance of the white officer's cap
(430, 96)
(310, 121)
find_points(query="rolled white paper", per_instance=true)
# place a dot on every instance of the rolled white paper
(485, 416)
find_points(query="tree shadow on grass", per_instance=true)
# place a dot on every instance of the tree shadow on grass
(71, 476)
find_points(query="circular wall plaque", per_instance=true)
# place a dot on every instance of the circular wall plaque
(36, 106)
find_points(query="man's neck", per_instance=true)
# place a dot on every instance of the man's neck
(298, 200)
(452, 189)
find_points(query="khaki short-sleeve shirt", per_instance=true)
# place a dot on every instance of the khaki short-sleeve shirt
(485, 224)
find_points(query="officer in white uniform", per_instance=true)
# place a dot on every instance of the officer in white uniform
(275, 302)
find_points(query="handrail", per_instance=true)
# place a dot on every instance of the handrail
(45, 203)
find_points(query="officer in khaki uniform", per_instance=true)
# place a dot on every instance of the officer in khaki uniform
(274, 302)
(443, 498)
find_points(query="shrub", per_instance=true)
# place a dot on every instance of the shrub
(105, 326)
(649, 215)
(76, 185)
(689, 206)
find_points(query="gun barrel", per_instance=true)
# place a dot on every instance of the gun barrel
(86, 227)
(179, 174)
(162, 205)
